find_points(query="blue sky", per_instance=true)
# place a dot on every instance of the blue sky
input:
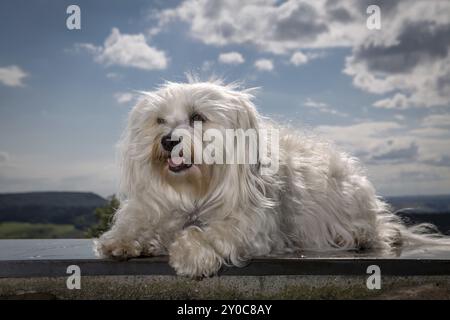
(383, 95)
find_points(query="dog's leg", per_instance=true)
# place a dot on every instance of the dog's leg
(200, 252)
(115, 245)
(129, 237)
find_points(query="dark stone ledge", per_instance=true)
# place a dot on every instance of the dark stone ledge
(50, 258)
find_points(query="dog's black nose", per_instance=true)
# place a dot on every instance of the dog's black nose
(168, 142)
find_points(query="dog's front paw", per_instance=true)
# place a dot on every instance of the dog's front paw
(116, 247)
(191, 255)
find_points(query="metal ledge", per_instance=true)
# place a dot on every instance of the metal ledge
(50, 258)
(36, 269)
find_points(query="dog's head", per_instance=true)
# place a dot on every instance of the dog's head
(164, 142)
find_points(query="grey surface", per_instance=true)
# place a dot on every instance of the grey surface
(57, 249)
(50, 258)
(48, 249)
(230, 287)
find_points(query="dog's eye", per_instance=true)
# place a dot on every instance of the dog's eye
(160, 121)
(197, 117)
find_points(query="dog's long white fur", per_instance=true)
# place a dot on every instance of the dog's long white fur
(320, 198)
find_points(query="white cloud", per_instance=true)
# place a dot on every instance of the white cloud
(427, 132)
(315, 104)
(231, 58)
(299, 58)
(361, 138)
(322, 107)
(124, 97)
(264, 65)
(409, 58)
(437, 120)
(394, 151)
(89, 47)
(127, 50)
(396, 154)
(12, 76)
(378, 142)
(272, 26)
(398, 101)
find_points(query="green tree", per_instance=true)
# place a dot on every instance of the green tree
(104, 217)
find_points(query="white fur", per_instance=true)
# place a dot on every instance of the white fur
(320, 199)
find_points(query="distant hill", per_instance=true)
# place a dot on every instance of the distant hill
(419, 209)
(422, 204)
(75, 208)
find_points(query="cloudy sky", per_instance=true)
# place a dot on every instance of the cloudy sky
(383, 95)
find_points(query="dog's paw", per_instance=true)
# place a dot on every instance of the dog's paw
(191, 255)
(153, 247)
(117, 248)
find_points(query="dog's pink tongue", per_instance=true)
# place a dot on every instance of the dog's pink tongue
(175, 161)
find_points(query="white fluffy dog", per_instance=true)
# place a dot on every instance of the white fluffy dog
(207, 215)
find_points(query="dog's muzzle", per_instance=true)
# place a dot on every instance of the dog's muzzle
(175, 163)
(168, 143)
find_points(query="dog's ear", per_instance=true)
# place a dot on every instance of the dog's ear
(130, 152)
(129, 168)
(252, 186)
(247, 117)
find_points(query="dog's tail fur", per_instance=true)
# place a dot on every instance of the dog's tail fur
(394, 232)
